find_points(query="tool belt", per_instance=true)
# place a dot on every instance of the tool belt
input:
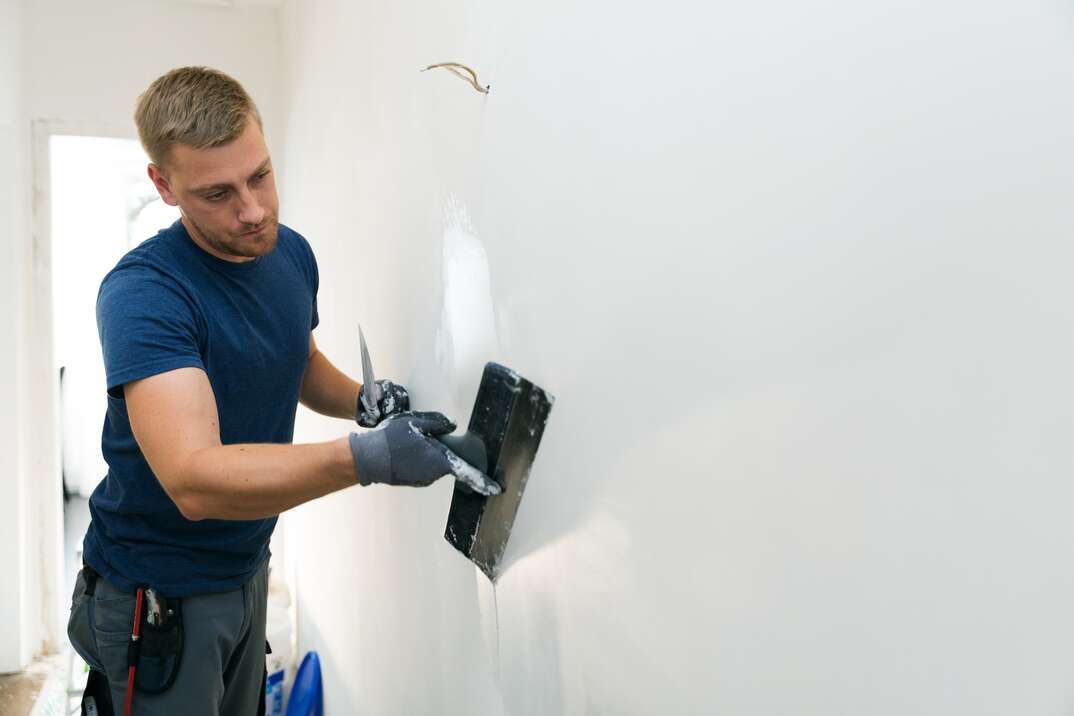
(158, 650)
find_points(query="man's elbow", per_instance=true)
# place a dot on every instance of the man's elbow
(191, 511)
(180, 486)
(188, 504)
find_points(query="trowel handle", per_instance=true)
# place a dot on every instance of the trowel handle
(469, 447)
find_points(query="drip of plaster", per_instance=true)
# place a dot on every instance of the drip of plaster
(490, 622)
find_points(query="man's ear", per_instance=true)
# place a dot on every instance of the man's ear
(161, 183)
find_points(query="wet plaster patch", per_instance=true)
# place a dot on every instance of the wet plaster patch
(466, 337)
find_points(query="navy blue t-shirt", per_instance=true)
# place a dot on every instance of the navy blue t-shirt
(166, 305)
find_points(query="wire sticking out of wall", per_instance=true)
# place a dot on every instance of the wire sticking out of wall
(462, 72)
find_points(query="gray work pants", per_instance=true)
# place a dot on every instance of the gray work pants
(223, 661)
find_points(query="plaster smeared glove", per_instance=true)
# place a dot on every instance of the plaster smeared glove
(404, 450)
(394, 399)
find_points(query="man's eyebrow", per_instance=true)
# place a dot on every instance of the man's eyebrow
(217, 187)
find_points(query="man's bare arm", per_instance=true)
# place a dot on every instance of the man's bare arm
(326, 389)
(174, 419)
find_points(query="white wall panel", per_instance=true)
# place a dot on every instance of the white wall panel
(837, 234)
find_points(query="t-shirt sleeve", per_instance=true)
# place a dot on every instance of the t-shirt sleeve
(314, 318)
(309, 262)
(147, 325)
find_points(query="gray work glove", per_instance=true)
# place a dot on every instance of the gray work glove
(404, 451)
(394, 399)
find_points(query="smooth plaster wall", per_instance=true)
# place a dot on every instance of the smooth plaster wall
(81, 66)
(798, 275)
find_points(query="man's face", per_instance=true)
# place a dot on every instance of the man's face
(227, 195)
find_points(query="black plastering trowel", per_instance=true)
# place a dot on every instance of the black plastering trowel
(505, 430)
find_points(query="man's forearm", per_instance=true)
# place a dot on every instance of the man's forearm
(327, 390)
(248, 482)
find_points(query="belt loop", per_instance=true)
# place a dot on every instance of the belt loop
(90, 575)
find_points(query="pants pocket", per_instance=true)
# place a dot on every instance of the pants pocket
(112, 620)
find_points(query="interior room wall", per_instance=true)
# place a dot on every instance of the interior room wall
(103, 54)
(14, 179)
(83, 65)
(797, 274)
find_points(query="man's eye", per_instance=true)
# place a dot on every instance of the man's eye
(216, 196)
(261, 176)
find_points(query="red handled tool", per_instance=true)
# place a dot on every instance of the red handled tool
(132, 650)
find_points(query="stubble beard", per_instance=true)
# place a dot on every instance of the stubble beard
(240, 246)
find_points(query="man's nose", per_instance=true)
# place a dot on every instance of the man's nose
(250, 211)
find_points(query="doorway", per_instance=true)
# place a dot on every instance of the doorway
(101, 205)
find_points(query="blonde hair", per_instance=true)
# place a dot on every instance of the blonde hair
(197, 106)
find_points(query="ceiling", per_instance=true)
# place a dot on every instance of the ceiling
(232, 3)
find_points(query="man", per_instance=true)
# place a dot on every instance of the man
(207, 336)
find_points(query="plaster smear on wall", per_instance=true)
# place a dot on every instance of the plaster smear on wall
(466, 338)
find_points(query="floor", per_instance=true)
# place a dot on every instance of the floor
(40, 690)
(19, 691)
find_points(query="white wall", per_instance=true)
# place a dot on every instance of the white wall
(101, 55)
(837, 234)
(14, 225)
(82, 66)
